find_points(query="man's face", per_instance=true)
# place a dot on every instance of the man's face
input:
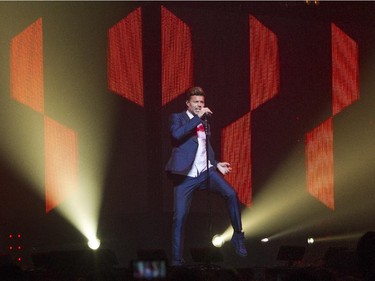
(195, 104)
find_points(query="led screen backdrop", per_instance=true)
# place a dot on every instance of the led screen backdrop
(125, 61)
(26, 67)
(101, 79)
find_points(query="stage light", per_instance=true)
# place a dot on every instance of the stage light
(265, 240)
(310, 240)
(316, 2)
(217, 241)
(353, 236)
(94, 244)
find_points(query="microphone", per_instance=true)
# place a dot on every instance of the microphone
(205, 118)
(207, 114)
(205, 123)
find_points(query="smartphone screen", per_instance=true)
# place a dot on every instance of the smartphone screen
(149, 269)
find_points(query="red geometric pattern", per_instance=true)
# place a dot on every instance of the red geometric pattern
(264, 85)
(345, 70)
(61, 164)
(264, 64)
(236, 148)
(319, 142)
(27, 87)
(26, 67)
(125, 60)
(125, 77)
(177, 56)
(319, 163)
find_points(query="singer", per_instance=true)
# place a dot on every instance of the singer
(187, 167)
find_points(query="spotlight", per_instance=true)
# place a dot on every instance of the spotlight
(316, 2)
(265, 240)
(310, 240)
(94, 244)
(217, 241)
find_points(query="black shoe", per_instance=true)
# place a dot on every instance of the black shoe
(238, 242)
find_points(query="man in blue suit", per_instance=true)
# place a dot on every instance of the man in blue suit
(187, 167)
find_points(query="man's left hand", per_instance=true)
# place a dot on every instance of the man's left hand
(224, 168)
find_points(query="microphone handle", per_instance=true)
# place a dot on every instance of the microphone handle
(205, 124)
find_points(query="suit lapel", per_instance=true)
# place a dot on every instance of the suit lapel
(186, 120)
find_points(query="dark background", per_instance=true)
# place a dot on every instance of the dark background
(129, 144)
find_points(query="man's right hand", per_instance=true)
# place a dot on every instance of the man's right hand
(203, 111)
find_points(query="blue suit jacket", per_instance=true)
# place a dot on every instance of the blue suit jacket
(185, 143)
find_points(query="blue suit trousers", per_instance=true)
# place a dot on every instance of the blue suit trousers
(183, 193)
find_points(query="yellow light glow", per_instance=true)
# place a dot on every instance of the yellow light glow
(217, 241)
(82, 210)
(94, 244)
(338, 237)
(284, 207)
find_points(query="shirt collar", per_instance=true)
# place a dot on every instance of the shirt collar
(189, 114)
